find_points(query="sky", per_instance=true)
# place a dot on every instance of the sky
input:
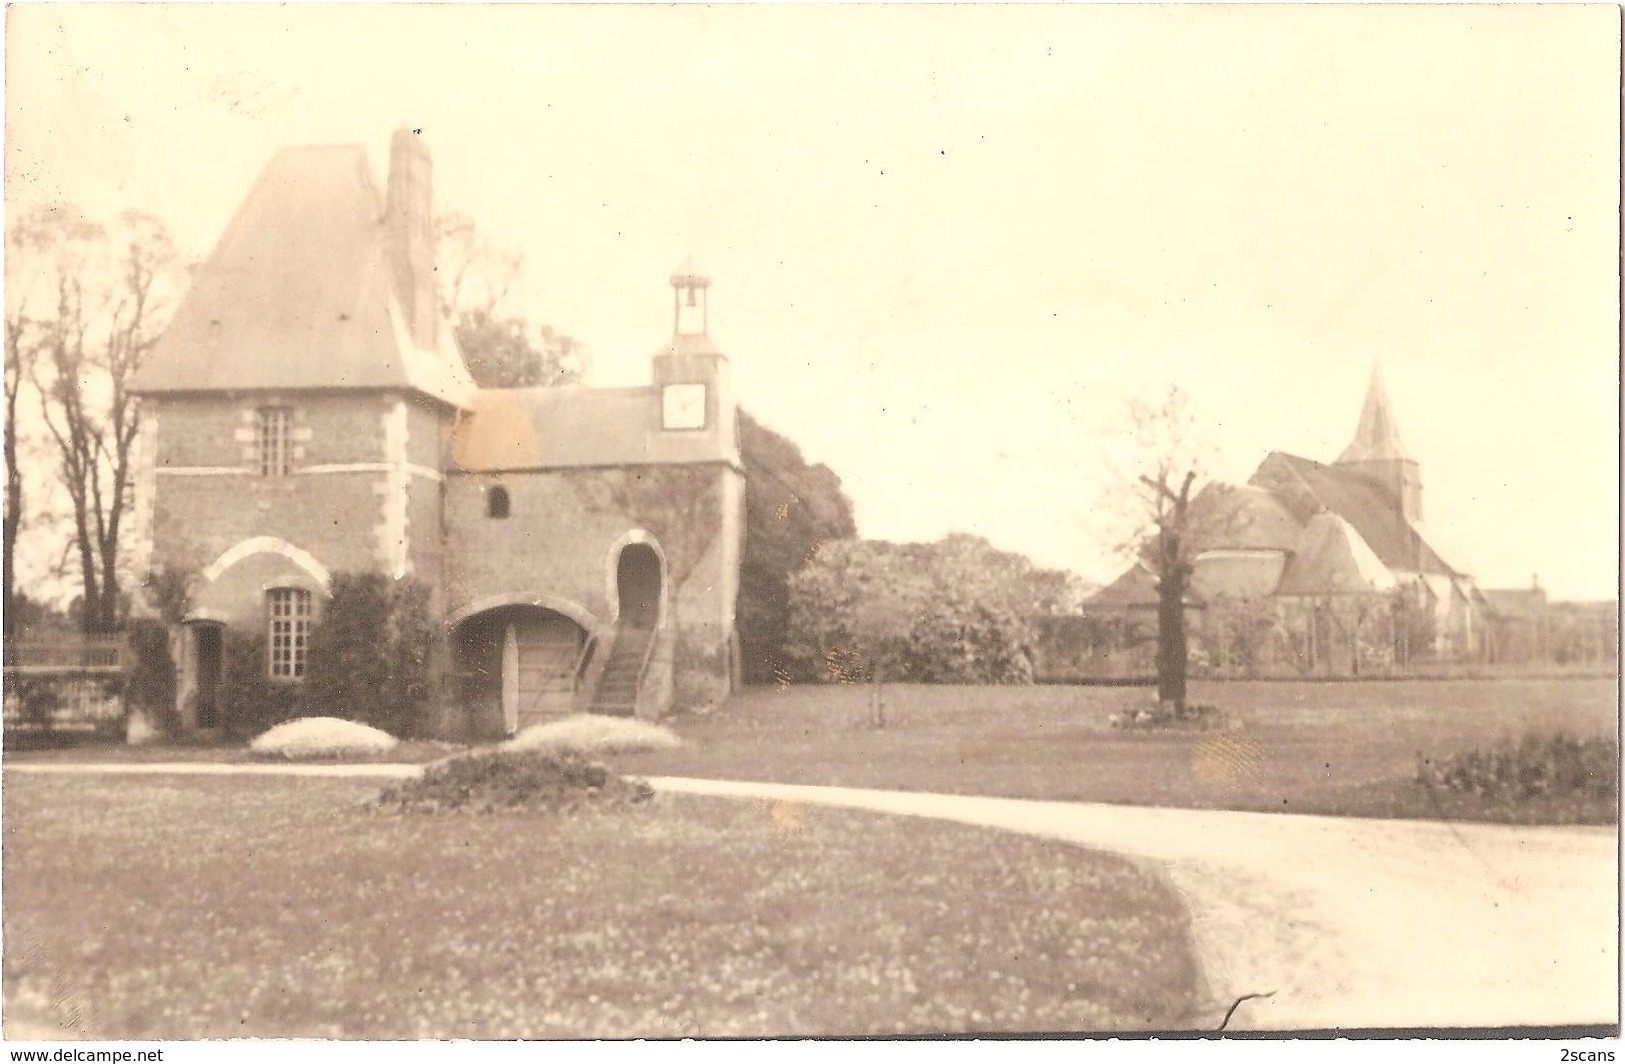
(948, 244)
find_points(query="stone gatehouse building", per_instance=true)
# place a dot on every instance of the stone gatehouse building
(308, 412)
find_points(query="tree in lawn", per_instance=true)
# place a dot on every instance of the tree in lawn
(85, 304)
(1164, 538)
(791, 509)
(477, 284)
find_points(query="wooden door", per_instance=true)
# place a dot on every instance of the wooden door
(546, 650)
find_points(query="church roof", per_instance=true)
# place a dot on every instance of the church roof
(1242, 517)
(1306, 487)
(1333, 559)
(298, 293)
(572, 426)
(1377, 437)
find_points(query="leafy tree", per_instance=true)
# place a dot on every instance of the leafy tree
(501, 348)
(791, 509)
(85, 303)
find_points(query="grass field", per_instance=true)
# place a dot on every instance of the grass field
(193, 907)
(1330, 748)
(1335, 748)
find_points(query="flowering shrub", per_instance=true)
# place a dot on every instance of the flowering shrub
(1540, 765)
(318, 737)
(592, 733)
(514, 780)
(946, 612)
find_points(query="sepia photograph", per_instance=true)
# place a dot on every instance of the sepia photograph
(774, 522)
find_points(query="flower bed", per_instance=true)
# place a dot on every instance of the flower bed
(514, 780)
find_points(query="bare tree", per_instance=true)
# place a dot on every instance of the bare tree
(94, 298)
(17, 342)
(1167, 472)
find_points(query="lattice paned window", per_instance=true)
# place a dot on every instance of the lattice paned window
(289, 634)
(273, 427)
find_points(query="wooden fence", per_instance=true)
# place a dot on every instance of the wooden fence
(73, 685)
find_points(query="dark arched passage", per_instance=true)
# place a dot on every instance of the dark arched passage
(518, 665)
(637, 582)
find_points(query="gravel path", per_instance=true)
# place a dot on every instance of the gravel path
(1342, 923)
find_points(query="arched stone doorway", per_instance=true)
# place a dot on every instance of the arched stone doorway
(638, 581)
(518, 665)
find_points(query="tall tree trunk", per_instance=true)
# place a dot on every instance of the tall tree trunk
(1172, 656)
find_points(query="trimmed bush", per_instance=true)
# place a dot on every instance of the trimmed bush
(251, 700)
(150, 686)
(514, 781)
(591, 734)
(321, 737)
(370, 655)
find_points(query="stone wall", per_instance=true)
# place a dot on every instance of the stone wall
(363, 493)
(560, 545)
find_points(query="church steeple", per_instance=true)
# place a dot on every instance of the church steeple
(1377, 452)
(1377, 437)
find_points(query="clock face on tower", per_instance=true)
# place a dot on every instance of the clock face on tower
(683, 406)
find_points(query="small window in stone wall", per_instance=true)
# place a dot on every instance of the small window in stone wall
(272, 434)
(288, 610)
(496, 502)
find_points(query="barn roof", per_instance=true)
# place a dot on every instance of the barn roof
(1136, 588)
(574, 427)
(1242, 517)
(1305, 488)
(1333, 559)
(298, 294)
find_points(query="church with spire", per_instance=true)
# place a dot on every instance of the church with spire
(308, 412)
(1311, 568)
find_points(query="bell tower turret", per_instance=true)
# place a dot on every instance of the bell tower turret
(691, 372)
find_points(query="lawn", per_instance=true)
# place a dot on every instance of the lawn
(1347, 749)
(196, 907)
(69, 750)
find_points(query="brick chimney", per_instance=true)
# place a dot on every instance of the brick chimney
(409, 234)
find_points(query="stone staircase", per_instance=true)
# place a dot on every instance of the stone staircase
(617, 692)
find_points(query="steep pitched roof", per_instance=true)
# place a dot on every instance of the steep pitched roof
(1305, 488)
(298, 294)
(1332, 559)
(1242, 517)
(1137, 587)
(1377, 437)
(574, 426)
